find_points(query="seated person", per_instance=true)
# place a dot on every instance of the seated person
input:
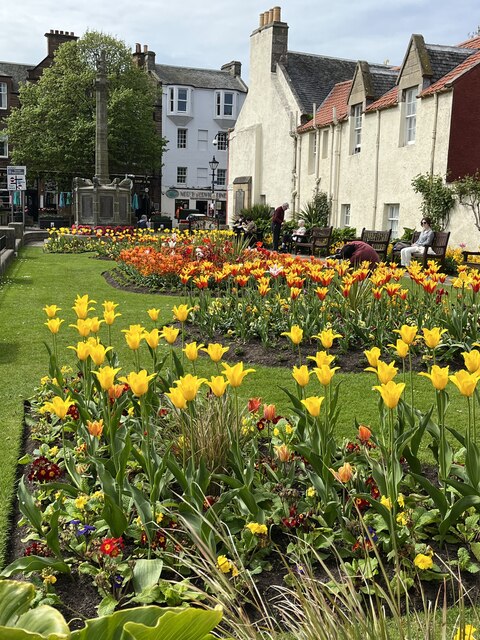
(143, 222)
(300, 233)
(357, 252)
(238, 225)
(425, 239)
(250, 230)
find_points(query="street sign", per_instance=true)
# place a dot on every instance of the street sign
(16, 178)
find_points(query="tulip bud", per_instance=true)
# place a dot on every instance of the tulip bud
(269, 411)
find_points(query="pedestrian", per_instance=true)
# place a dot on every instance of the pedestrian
(277, 221)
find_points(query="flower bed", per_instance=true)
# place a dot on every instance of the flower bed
(148, 482)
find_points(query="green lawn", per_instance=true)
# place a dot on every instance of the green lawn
(36, 279)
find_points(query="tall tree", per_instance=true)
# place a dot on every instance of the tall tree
(53, 132)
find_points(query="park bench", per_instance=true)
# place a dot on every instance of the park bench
(378, 240)
(439, 247)
(471, 259)
(319, 240)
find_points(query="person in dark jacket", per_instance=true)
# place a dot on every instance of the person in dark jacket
(277, 221)
(357, 252)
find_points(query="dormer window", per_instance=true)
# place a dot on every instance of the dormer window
(410, 115)
(356, 128)
(179, 101)
(225, 104)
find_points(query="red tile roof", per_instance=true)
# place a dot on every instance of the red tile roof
(471, 43)
(388, 99)
(337, 99)
(449, 78)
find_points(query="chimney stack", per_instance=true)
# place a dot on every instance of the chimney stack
(56, 38)
(234, 68)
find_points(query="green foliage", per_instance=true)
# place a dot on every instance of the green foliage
(54, 130)
(467, 191)
(316, 212)
(261, 215)
(341, 235)
(437, 199)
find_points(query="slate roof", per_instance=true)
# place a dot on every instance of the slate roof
(389, 99)
(18, 72)
(449, 78)
(335, 103)
(383, 79)
(199, 78)
(444, 59)
(312, 77)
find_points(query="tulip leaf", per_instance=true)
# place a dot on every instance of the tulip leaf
(435, 494)
(29, 509)
(456, 512)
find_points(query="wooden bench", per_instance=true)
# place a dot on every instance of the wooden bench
(319, 240)
(474, 264)
(439, 247)
(378, 240)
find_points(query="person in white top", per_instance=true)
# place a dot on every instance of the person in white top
(425, 239)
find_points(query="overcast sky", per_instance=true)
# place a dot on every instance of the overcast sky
(210, 33)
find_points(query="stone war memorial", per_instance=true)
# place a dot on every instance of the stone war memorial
(99, 201)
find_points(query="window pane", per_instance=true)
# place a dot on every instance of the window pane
(182, 100)
(3, 147)
(3, 95)
(222, 140)
(182, 175)
(228, 104)
(181, 138)
(221, 176)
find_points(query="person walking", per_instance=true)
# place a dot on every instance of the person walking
(425, 239)
(277, 221)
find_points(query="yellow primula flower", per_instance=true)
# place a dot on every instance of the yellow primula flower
(257, 529)
(423, 561)
(236, 374)
(138, 382)
(391, 393)
(313, 404)
(438, 376)
(310, 492)
(295, 334)
(81, 502)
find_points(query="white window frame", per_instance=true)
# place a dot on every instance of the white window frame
(182, 175)
(221, 177)
(325, 143)
(223, 107)
(410, 115)
(346, 211)
(182, 138)
(393, 217)
(3, 95)
(222, 140)
(179, 101)
(357, 115)
(3, 146)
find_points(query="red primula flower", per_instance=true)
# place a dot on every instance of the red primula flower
(112, 547)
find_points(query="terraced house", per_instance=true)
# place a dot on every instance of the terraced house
(375, 128)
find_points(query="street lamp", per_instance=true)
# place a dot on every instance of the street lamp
(213, 164)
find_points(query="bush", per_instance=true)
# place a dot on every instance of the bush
(317, 212)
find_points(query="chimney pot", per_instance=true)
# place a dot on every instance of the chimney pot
(277, 14)
(270, 16)
(145, 48)
(260, 24)
(265, 18)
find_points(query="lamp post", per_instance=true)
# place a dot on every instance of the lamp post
(213, 164)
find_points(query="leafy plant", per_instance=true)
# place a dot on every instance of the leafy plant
(437, 198)
(316, 212)
(467, 190)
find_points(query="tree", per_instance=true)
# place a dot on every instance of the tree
(467, 191)
(437, 199)
(53, 132)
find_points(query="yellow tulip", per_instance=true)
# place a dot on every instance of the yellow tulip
(191, 350)
(189, 386)
(321, 358)
(109, 316)
(181, 312)
(327, 337)
(433, 336)
(152, 338)
(108, 305)
(82, 306)
(95, 324)
(138, 382)
(216, 351)
(401, 348)
(51, 310)
(325, 374)
(465, 382)
(372, 356)
(391, 392)
(95, 428)
(53, 325)
(177, 398)
(384, 371)
(295, 334)
(83, 326)
(106, 376)
(407, 333)
(170, 334)
(438, 376)
(218, 385)
(471, 360)
(313, 404)
(82, 350)
(301, 375)
(153, 313)
(236, 374)
(98, 353)
(59, 406)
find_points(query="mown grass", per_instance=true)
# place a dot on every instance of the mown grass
(36, 279)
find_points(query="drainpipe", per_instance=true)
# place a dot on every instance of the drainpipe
(330, 181)
(375, 171)
(336, 162)
(296, 163)
(434, 134)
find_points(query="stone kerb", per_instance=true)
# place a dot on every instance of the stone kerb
(8, 253)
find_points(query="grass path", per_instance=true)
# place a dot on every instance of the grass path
(36, 279)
